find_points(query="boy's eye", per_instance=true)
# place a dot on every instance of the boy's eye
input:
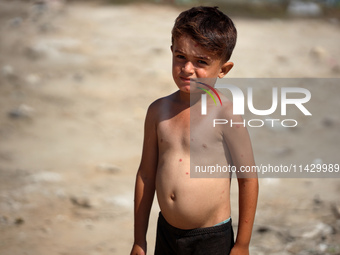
(202, 62)
(180, 56)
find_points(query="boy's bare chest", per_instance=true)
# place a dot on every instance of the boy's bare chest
(182, 131)
(175, 131)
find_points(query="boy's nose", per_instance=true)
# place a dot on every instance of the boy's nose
(188, 68)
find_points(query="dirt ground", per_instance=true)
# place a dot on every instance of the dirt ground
(75, 84)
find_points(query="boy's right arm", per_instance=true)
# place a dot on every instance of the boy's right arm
(145, 183)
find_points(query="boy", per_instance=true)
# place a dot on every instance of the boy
(195, 212)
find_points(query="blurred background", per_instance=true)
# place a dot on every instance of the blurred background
(259, 8)
(76, 78)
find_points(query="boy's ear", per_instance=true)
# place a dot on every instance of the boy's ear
(226, 67)
(171, 48)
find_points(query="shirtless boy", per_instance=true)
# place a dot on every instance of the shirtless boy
(195, 212)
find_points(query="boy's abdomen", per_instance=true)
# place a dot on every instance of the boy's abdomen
(189, 203)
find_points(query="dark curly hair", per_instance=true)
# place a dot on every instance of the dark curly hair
(210, 28)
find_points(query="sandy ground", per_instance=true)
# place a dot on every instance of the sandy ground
(75, 85)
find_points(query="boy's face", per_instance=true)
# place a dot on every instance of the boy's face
(191, 61)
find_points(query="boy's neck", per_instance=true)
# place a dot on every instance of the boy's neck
(184, 97)
(189, 99)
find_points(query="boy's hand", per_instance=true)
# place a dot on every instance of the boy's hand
(138, 249)
(239, 250)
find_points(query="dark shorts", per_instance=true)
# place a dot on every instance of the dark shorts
(216, 240)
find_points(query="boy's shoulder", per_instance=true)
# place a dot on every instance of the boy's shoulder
(227, 107)
(163, 102)
(162, 105)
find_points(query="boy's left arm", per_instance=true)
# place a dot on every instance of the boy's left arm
(248, 191)
(238, 140)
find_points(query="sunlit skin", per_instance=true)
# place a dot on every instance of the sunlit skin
(185, 202)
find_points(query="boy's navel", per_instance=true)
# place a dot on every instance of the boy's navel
(173, 197)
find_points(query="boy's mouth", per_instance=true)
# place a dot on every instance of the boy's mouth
(185, 79)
